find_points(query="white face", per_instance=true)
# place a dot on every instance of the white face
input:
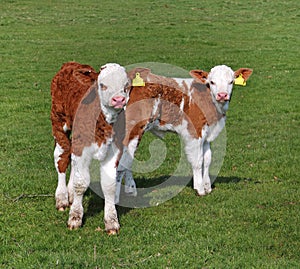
(113, 85)
(220, 80)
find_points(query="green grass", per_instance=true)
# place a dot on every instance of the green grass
(251, 220)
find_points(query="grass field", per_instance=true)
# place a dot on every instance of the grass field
(251, 219)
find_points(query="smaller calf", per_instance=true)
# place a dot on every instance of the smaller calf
(194, 108)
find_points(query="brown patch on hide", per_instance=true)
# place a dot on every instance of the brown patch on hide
(67, 89)
(119, 134)
(147, 76)
(90, 97)
(198, 109)
(141, 104)
(90, 124)
(201, 96)
(142, 71)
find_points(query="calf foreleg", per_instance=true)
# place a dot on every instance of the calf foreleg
(108, 174)
(206, 165)
(81, 181)
(194, 152)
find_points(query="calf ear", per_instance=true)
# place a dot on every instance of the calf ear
(245, 72)
(85, 74)
(200, 75)
(144, 72)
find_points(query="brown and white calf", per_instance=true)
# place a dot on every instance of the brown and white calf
(87, 104)
(194, 108)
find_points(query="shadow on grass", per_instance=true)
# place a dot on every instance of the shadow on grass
(222, 180)
(150, 193)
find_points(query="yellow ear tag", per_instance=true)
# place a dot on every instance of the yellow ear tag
(240, 80)
(138, 81)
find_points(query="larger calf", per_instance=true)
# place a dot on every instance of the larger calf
(87, 104)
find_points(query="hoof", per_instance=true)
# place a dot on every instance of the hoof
(208, 191)
(130, 191)
(133, 194)
(203, 193)
(112, 226)
(112, 232)
(74, 225)
(62, 203)
(200, 193)
(72, 228)
(62, 207)
(74, 222)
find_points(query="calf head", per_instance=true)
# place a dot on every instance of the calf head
(114, 86)
(220, 80)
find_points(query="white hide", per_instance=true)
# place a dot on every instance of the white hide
(107, 155)
(220, 80)
(61, 193)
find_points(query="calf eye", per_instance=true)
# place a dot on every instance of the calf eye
(212, 83)
(103, 87)
(231, 82)
(127, 87)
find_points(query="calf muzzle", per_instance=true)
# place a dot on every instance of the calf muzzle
(118, 101)
(222, 97)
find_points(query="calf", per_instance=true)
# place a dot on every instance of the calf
(86, 103)
(194, 108)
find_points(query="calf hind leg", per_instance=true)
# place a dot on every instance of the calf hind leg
(61, 161)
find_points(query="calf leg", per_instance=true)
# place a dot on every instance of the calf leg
(61, 161)
(125, 169)
(194, 151)
(81, 181)
(108, 174)
(206, 165)
(70, 187)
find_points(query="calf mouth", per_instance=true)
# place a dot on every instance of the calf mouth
(118, 107)
(222, 100)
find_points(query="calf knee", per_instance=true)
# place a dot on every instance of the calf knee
(81, 182)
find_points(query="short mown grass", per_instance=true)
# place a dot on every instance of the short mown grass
(251, 220)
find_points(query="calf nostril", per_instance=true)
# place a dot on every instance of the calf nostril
(118, 99)
(222, 94)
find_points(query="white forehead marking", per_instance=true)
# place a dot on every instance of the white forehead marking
(221, 72)
(112, 73)
(109, 68)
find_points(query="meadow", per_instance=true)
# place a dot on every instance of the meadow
(250, 220)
